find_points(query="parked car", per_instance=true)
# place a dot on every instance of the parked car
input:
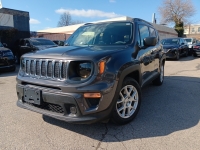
(98, 76)
(59, 43)
(7, 59)
(32, 44)
(175, 47)
(196, 49)
(191, 42)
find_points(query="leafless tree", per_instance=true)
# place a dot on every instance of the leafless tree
(66, 20)
(176, 11)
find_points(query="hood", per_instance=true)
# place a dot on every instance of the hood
(42, 47)
(3, 49)
(74, 52)
(170, 46)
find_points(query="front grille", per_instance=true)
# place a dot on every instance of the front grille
(49, 69)
(56, 70)
(43, 69)
(37, 68)
(32, 70)
(49, 107)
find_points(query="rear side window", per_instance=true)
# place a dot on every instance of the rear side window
(152, 32)
(144, 32)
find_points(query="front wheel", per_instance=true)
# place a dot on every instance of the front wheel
(128, 102)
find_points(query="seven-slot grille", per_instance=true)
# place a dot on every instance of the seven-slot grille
(50, 69)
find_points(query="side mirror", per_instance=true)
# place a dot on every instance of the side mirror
(28, 45)
(66, 44)
(5, 45)
(150, 41)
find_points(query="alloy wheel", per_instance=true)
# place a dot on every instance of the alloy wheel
(127, 102)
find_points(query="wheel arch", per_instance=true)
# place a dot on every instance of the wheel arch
(133, 71)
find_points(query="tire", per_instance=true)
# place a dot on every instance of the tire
(127, 103)
(186, 53)
(194, 54)
(12, 69)
(159, 80)
(17, 59)
(177, 55)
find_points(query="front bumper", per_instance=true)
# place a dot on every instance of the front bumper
(196, 51)
(7, 63)
(57, 104)
(171, 54)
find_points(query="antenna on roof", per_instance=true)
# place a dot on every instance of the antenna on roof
(1, 6)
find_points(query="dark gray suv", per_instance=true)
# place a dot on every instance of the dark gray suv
(98, 76)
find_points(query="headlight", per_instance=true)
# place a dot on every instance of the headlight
(7, 53)
(84, 70)
(80, 70)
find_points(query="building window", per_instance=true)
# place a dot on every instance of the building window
(198, 29)
(192, 29)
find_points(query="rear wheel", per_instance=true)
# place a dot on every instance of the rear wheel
(128, 102)
(13, 69)
(186, 53)
(194, 54)
(177, 55)
(17, 59)
(159, 80)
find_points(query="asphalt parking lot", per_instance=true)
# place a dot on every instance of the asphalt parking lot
(168, 118)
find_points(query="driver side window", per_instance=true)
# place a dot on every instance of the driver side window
(144, 32)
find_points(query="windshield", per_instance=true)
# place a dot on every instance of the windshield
(1, 45)
(119, 33)
(170, 41)
(42, 42)
(188, 40)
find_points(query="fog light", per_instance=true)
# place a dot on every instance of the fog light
(73, 110)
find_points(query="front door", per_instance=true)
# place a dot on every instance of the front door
(146, 54)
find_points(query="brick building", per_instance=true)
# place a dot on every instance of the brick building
(62, 33)
(192, 31)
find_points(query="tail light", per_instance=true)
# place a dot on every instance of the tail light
(196, 47)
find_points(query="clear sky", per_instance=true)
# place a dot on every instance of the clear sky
(46, 13)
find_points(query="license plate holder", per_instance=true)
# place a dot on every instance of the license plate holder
(32, 95)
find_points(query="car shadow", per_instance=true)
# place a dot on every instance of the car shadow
(188, 58)
(6, 73)
(166, 109)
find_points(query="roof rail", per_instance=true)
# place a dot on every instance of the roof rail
(138, 19)
(88, 23)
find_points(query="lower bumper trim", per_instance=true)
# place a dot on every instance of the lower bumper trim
(79, 120)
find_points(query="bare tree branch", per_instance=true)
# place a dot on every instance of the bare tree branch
(176, 11)
(66, 20)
